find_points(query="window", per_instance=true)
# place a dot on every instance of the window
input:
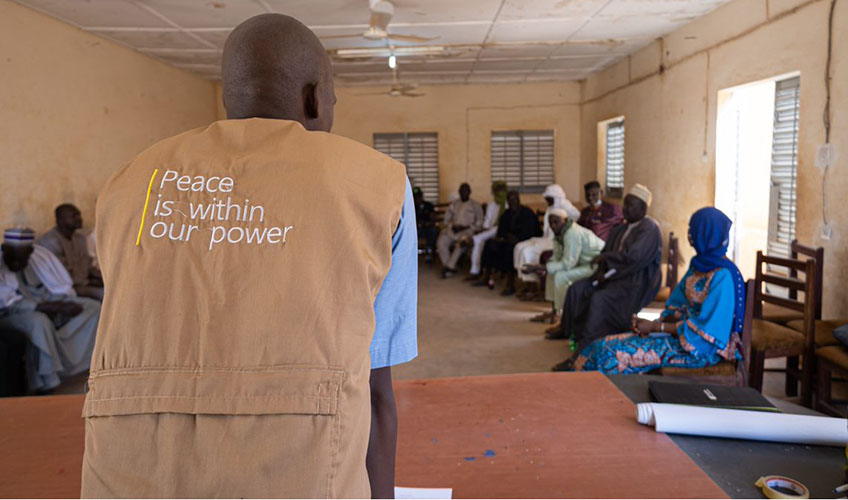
(524, 159)
(784, 166)
(420, 153)
(614, 158)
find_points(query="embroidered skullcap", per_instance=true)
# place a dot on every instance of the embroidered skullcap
(642, 192)
(18, 236)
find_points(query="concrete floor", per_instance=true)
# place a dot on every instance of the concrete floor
(463, 330)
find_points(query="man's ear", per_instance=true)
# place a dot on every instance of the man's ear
(310, 101)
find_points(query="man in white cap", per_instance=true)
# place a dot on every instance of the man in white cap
(36, 298)
(627, 278)
(528, 252)
(575, 247)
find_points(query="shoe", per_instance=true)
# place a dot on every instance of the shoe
(428, 259)
(565, 366)
(447, 273)
(507, 292)
(541, 318)
(554, 333)
(471, 277)
(491, 284)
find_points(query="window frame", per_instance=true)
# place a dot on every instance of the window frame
(615, 189)
(430, 185)
(537, 143)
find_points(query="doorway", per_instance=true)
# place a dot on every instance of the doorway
(756, 163)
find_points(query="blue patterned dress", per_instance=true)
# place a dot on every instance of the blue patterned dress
(702, 306)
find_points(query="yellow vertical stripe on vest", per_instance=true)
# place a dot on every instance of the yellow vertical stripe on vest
(146, 202)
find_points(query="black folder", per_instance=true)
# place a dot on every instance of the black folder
(714, 396)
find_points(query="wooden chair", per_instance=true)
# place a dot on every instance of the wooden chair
(823, 335)
(671, 269)
(732, 373)
(830, 360)
(782, 315)
(772, 340)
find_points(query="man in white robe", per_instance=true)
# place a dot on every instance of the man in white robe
(528, 252)
(37, 298)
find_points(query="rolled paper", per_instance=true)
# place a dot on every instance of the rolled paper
(743, 424)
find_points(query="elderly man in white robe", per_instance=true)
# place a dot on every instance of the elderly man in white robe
(38, 299)
(530, 251)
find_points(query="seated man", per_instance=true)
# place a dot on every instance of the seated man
(703, 319)
(60, 327)
(517, 224)
(425, 219)
(575, 247)
(494, 211)
(627, 279)
(599, 216)
(67, 242)
(530, 251)
(463, 218)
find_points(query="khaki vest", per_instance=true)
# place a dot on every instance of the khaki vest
(232, 357)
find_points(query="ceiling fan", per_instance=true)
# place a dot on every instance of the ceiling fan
(398, 89)
(381, 13)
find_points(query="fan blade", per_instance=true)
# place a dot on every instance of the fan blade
(357, 35)
(409, 38)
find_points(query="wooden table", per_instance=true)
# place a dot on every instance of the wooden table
(538, 436)
(535, 435)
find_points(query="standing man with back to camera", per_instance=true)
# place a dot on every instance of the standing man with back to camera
(252, 267)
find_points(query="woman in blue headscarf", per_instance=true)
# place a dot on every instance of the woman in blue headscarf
(703, 318)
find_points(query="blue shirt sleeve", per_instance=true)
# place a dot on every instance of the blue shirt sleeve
(396, 308)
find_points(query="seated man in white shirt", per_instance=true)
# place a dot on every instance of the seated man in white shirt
(494, 210)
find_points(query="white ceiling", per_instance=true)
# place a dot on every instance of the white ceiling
(486, 41)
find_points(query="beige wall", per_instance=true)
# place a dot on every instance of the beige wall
(464, 117)
(74, 108)
(668, 94)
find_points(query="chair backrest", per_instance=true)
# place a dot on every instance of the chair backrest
(747, 330)
(671, 276)
(817, 254)
(807, 306)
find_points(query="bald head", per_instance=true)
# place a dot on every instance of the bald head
(275, 67)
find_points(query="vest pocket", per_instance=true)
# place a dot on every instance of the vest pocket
(261, 390)
(213, 432)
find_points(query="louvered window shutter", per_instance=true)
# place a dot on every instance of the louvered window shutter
(420, 153)
(784, 166)
(615, 159)
(524, 159)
